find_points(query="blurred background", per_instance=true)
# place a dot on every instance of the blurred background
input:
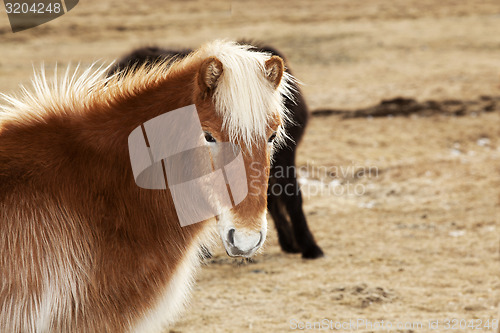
(421, 240)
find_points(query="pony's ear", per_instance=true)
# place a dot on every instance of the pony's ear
(274, 70)
(209, 74)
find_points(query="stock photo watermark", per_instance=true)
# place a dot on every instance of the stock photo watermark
(205, 179)
(169, 151)
(316, 180)
(357, 324)
(27, 14)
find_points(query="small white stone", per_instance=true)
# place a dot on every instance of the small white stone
(457, 233)
(483, 142)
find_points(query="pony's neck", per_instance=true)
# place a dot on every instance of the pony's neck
(105, 130)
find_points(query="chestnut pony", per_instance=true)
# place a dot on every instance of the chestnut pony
(82, 247)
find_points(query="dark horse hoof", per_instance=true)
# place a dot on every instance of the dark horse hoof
(313, 252)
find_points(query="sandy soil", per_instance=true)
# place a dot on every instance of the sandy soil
(414, 239)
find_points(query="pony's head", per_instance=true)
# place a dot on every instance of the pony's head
(239, 96)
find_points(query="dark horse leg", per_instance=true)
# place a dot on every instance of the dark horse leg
(294, 236)
(286, 210)
(277, 210)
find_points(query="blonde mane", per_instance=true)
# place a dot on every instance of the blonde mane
(244, 98)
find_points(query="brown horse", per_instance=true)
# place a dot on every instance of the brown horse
(82, 247)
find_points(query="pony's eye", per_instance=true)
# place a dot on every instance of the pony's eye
(209, 138)
(272, 137)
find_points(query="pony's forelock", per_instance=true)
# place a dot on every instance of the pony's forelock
(244, 97)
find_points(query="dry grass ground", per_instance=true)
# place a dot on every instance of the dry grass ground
(421, 240)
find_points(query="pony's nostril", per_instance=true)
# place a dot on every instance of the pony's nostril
(261, 239)
(230, 237)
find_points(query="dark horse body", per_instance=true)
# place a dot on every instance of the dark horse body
(284, 196)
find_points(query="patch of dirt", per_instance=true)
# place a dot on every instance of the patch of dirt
(362, 296)
(408, 106)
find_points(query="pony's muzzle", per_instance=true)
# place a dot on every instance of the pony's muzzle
(243, 243)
